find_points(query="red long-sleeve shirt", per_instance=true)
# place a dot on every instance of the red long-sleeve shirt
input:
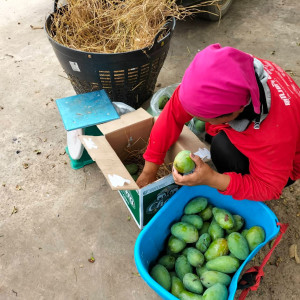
(273, 150)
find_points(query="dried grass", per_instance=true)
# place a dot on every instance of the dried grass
(136, 156)
(115, 26)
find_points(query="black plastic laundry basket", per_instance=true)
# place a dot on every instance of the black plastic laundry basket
(127, 77)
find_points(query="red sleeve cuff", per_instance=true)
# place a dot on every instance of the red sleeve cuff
(228, 191)
(155, 157)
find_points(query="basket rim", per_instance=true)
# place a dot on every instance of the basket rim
(171, 18)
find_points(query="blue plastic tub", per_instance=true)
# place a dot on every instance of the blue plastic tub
(151, 239)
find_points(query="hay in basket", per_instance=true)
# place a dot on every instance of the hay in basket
(115, 26)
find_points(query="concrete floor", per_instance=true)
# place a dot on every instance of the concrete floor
(53, 218)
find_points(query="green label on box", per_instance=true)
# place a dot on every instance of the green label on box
(154, 201)
(131, 197)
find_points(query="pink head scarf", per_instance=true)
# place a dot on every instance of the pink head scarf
(219, 81)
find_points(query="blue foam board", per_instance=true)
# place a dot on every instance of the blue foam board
(84, 110)
(152, 239)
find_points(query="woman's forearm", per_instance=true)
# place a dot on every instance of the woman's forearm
(219, 181)
(150, 167)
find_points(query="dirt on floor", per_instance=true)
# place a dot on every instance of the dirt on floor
(53, 218)
(282, 273)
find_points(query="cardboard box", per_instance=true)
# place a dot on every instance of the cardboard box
(109, 152)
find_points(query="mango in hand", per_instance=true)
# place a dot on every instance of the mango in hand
(183, 163)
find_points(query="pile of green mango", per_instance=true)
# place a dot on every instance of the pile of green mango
(204, 250)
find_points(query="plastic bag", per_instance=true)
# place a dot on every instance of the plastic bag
(197, 127)
(122, 108)
(167, 91)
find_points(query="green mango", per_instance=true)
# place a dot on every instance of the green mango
(206, 214)
(172, 273)
(183, 162)
(192, 283)
(244, 232)
(195, 206)
(186, 295)
(210, 278)
(203, 243)
(224, 264)
(223, 217)
(169, 252)
(238, 224)
(162, 101)
(184, 252)
(168, 261)
(182, 266)
(195, 257)
(176, 286)
(216, 292)
(255, 236)
(238, 245)
(185, 232)
(200, 271)
(135, 177)
(162, 276)
(199, 125)
(132, 168)
(215, 230)
(218, 247)
(232, 255)
(175, 245)
(194, 220)
(204, 228)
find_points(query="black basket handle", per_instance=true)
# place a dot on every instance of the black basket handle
(169, 25)
(55, 5)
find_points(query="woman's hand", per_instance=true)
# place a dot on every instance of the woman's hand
(203, 175)
(148, 174)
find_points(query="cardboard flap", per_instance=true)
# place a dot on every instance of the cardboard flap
(189, 140)
(107, 160)
(186, 141)
(125, 121)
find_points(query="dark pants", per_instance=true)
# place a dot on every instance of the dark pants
(227, 158)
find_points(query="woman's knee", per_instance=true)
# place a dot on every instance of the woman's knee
(226, 157)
